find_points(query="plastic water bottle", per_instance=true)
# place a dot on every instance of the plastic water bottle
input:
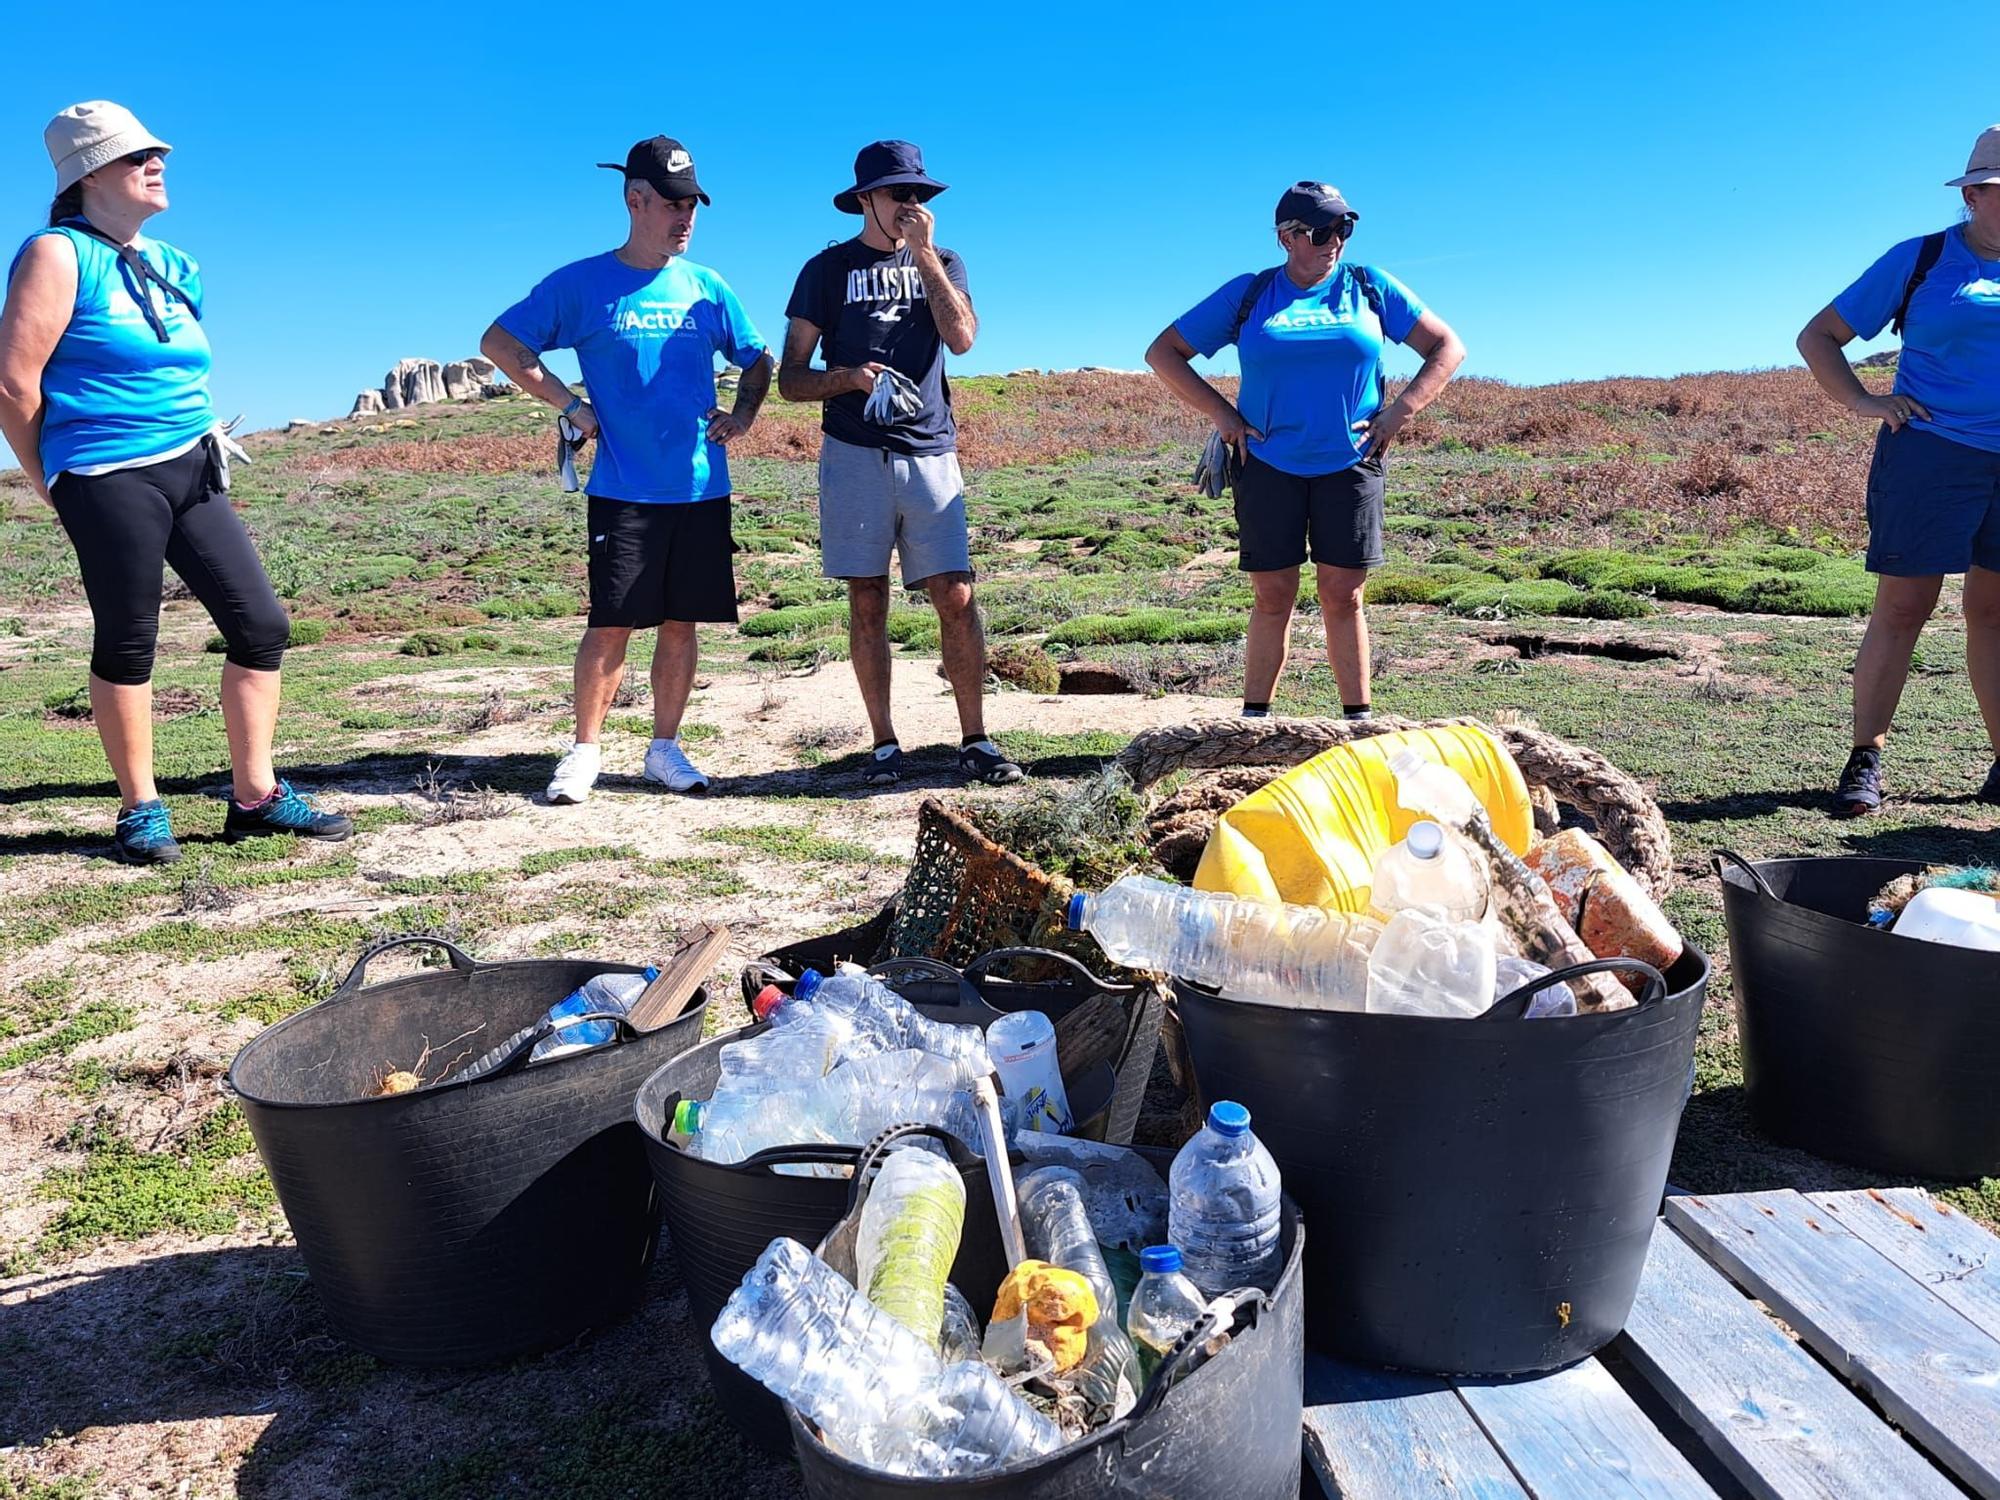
(1301, 956)
(1223, 1209)
(1428, 965)
(959, 1336)
(908, 1237)
(776, 1060)
(615, 993)
(1165, 1305)
(868, 1030)
(1057, 1229)
(862, 995)
(1428, 869)
(969, 1422)
(1512, 972)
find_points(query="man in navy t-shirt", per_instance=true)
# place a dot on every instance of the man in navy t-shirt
(883, 308)
(646, 325)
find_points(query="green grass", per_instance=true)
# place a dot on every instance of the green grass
(97, 1018)
(543, 861)
(1153, 626)
(203, 1184)
(795, 845)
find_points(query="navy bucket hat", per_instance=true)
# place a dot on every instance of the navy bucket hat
(887, 164)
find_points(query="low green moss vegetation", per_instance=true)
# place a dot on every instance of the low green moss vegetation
(201, 1184)
(1154, 626)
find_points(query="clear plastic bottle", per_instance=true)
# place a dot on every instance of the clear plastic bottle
(1108, 1378)
(1428, 965)
(958, 1337)
(909, 1233)
(1223, 1207)
(968, 1422)
(615, 993)
(1057, 1229)
(774, 1061)
(1511, 972)
(1302, 956)
(1428, 869)
(1165, 1305)
(868, 1030)
(864, 997)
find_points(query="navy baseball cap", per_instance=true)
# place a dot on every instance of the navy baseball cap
(1313, 204)
(665, 163)
(883, 164)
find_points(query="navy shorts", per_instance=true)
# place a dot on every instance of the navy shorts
(1278, 514)
(1933, 505)
(653, 563)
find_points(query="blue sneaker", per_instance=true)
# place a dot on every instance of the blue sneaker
(284, 811)
(143, 837)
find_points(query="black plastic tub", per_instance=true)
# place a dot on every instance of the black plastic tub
(1859, 1045)
(720, 1216)
(1113, 1092)
(1230, 1428)
(471, 1222)
(1481, 1192)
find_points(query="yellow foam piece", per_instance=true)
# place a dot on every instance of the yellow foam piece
(1312, 836)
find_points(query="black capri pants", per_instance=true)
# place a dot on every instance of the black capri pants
(128, 524)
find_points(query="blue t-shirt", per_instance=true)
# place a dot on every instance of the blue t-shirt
(646, 342)
(111, 391)
(1309, 360)
(1951, 339)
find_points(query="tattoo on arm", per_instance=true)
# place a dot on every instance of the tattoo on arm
(797, 379)
(751, 388)
(951, 309)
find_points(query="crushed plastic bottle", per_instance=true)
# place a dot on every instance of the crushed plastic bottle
(1224, 1207)
(1058, 1230)
(1165, 1305)
(859, 994)
(968, 1422)
(1125, 1198)
(909, 1233)
(614, 994)
(1429, 869)
(959, 1336)
(1300, 956)
(1512, 972)
(1428, 965)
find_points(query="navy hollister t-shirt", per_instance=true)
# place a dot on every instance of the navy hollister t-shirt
(869, 305)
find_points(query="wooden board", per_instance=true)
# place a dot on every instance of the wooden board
(1576, 1435)
(1768, 1410)
(1934, 1372)
(1383, 1435)
(1933, 1243)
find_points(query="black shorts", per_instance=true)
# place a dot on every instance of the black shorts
(651, 563)
(1278, 513)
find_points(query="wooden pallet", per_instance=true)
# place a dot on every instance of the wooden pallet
(1895, 1295)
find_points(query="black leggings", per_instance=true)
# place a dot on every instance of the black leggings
(125, 525)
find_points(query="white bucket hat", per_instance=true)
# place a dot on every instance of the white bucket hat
(1984, 167)
(94, 134)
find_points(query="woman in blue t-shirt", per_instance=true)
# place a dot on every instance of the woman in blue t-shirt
(1934, 484)
(104, 400)
(1310, 426)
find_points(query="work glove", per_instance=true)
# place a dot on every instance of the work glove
(895, 398)
(1212, 472)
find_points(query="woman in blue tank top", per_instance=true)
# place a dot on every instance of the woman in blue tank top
(104, 400)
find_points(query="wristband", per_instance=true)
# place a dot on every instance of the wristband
(570, 410)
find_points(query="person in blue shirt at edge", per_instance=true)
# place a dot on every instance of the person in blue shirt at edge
(646, 324)
(891, 299)
(1310, 428)
(1934, 482)
(104, 400)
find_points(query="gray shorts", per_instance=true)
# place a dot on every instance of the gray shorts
(873, 502)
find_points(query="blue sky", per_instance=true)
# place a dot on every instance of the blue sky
(1580, 190)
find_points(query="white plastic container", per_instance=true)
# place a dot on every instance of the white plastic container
(1428, 869)
(1023, 1045)
(1940, 914)
(1427, 965)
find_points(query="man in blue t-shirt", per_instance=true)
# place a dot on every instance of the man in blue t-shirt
(884, 307)
(646, 325)
(1310, 426)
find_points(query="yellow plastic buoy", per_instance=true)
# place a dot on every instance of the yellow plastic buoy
(1312, 836)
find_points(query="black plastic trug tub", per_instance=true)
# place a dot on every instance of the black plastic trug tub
(1859, 1045)
(1481, 1192)
(720, 1216)
(471, 1222)
(1230, 1428)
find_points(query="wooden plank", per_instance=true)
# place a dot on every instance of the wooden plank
(1576, 1435)
(1382, 1435)
(1932, 1371)
(1767, 1409)
(1953, 1258)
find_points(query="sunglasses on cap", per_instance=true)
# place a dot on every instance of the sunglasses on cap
(1338, 229)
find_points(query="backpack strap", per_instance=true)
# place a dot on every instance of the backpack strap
(1927, 257)
(1373, 294)
(139, 271)
(1244, 308)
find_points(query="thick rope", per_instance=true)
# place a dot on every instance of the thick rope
(1627, 819)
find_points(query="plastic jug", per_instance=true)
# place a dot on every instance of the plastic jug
(1429, 869)
(1023, 1045)
(1313, 836)
(1940, 914)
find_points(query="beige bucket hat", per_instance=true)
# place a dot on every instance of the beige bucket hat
(93, 134)
(1984, 167)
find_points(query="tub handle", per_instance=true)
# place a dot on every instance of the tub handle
(918, 967)
(1756, 875)
(533, 1036)
(1172, 1368)
(1514, 1006)
(457, 955)
(872, 1154)
(781, 1156)
(981, 968)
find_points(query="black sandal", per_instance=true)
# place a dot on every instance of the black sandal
(976, 763)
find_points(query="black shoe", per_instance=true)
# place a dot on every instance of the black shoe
(1860, 788)
(983, 762)
(143, 837)
(1991, 791)
(285, 811)
(885, 770)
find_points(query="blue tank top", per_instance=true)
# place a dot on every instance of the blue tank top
(112, 392)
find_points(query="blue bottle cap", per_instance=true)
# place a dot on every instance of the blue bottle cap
(1074, 919)
(808, 985)
(1161, 1259)
(1227, 1117)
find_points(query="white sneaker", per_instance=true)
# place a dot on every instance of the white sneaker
(575, 775)
(668, 764)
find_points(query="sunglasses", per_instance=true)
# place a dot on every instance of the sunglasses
(907, 193)
(139, 158)
(1325, 233)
